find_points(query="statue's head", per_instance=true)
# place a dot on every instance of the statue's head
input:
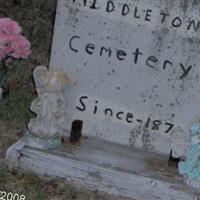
(50, 80)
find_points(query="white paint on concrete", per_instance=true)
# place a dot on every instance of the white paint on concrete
(101, 172)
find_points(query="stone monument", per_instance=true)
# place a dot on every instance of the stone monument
(135, 64)
(134, 95)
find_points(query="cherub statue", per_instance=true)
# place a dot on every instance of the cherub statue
(191, 167)
(46, 129)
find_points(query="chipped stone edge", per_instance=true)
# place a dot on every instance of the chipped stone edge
(13, 154)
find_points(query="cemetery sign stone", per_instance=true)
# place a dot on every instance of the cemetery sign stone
(134, 66)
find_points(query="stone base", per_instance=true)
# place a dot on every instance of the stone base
(42, 143)
(97, 165)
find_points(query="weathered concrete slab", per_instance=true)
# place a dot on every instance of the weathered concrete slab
(133, 63)
(110, 168)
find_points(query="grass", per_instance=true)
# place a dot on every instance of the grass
(16, 105)
(43, 189)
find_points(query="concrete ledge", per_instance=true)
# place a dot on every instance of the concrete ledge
(105, 173)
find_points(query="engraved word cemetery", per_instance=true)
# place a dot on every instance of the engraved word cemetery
(118, 109)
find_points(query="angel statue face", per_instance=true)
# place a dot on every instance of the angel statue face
(49, 81)
(50, 104)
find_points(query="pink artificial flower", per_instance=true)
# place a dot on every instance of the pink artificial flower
(20, 46)
(5, 46)
(9, 27)
(12, 43)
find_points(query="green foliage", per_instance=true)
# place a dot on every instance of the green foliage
(16, 105)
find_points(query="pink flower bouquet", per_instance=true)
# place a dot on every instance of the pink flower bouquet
(12, 45)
